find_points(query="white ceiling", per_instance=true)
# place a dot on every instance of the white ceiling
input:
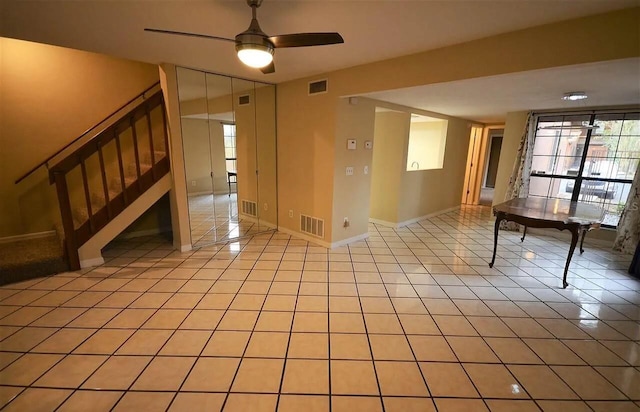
(488, 99)
(373, 30)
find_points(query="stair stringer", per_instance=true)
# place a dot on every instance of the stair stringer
(90, 253)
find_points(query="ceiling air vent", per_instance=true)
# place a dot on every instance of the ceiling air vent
(243, 100)
(312, 225)
(318, 87)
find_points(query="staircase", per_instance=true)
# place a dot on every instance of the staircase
(108, 179)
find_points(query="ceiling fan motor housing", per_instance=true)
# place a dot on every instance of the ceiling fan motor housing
(254, 40)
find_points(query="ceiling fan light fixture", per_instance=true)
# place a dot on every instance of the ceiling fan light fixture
(574, 96)
(255, 55)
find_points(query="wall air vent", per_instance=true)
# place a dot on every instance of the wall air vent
(312, 226)
(318, 87)
(249, 208)
(244, 100)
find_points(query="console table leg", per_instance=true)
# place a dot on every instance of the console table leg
(499, 218)
(524, 234)
(575, 232)
(584, 233)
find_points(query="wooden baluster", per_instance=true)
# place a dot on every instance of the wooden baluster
(87, 194)
(147, 112)
(121, 169)
(103, 172)
(132, 124)
(165, 131)
(70, 242)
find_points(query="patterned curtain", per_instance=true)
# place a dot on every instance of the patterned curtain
(520, 175)
(629, 225)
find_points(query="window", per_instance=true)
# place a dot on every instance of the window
(427, 140)
(229, 132)
(588, 158)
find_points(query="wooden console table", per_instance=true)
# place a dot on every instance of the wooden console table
(578, 218)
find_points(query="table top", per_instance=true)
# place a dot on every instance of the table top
(553, 210)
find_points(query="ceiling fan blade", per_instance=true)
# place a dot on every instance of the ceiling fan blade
(306, 39)
(181, 33)
(270, 68)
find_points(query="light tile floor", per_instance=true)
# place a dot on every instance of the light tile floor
(409, 320)
(215, 218)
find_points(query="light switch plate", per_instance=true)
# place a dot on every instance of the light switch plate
(349, 171)
(351, 144)
(368, 144)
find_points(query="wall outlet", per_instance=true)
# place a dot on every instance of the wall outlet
(290, 212)
(265, 206)
(366, 170)
(350, 171)
(193, 183)
(346, 222)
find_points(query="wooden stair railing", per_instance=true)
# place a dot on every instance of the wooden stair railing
(104, 176)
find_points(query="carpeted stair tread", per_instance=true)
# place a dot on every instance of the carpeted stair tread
(27, 259)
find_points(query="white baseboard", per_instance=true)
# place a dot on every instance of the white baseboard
(382, 222)
(414, 220)
(310, 239)
(89, 263)
(27, 236)
(242, 216)
(319, 242)
(349, 240)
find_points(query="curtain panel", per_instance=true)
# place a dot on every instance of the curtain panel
(628, 234)
(521, 172)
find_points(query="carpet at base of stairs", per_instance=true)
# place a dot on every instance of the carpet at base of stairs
(33, 258)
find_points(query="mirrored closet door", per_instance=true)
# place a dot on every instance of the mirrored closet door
(228, 132)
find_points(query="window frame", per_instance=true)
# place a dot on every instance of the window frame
(579, 179)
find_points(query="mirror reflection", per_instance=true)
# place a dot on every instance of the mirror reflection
(228, 132)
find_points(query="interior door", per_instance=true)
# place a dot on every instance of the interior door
(229, 142)
(192, 94)
(494, 157)
(220, 122)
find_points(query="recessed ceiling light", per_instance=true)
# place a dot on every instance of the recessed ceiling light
(573, 96)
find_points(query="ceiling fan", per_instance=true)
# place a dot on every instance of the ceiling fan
(255, 48)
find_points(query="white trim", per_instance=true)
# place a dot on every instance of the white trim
(382, 222)
(353, 239)
(300, 235)
(317, 241)
(27, 236)
(414, 220)
(89, 263)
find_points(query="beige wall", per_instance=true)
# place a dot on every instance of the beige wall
(513, 130)
(306, 151)
(351, 194)
(399, 196)
(49, 96)
(425, 192)
(390, 134)
(309, 149)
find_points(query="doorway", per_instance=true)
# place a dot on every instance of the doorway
(228, 130)
(491, 172)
